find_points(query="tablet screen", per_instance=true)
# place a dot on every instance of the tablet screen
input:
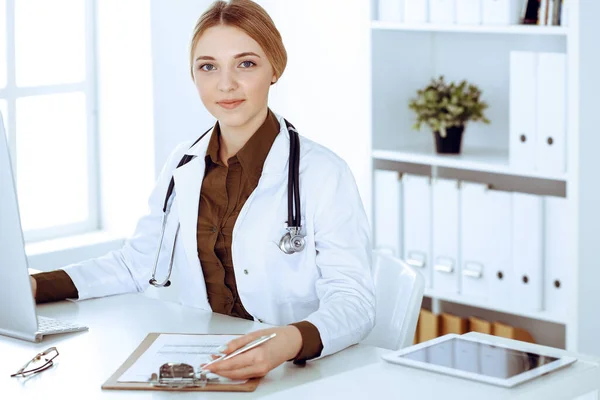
(479, 358)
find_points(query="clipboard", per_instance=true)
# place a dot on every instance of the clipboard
(113, 384)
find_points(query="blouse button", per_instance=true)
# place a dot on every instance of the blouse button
(214, 229)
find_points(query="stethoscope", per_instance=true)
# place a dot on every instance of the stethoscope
(291, 242)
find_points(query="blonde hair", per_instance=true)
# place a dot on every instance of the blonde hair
(249, 17)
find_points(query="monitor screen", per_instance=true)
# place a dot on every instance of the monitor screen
(479, 358)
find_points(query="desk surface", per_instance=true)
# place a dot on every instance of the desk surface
(382, 379)
(118, 324)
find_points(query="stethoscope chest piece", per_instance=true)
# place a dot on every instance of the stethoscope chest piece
(292, 242)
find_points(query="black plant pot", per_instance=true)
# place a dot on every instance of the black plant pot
(451, 144)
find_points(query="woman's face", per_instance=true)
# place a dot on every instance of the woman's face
(232, 75)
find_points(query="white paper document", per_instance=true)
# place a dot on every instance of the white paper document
(178, 348)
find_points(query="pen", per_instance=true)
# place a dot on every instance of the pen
(241, 350)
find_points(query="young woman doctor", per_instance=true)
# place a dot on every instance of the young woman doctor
(231, 205)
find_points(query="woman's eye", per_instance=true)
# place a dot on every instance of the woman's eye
(207, 67)
(247, 64)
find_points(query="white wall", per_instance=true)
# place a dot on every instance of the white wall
(326, 89)
(324, 92)
(125, 128)
(178, 112)
(587, 189)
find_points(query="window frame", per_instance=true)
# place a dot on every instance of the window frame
(89, 87)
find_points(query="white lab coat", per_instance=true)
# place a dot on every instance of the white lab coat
(328, 284)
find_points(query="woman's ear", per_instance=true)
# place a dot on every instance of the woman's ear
(274, 80)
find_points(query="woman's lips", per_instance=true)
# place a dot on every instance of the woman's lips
(230, 104)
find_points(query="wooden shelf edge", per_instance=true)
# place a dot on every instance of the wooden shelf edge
(458, 299)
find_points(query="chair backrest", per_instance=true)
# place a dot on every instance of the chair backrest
(399, 292)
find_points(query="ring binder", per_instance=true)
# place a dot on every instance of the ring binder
(473, 270)
(445, 268)
(416, 259)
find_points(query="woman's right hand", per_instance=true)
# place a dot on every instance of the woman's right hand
(33, 285)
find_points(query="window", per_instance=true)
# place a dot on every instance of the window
(47, 97)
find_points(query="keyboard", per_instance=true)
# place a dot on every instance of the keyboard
(50, 326)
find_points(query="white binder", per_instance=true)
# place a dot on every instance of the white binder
(522, 110)
(387, 220)
(500, 12)
(415, 11)
(468, 12)
(445, 236)
(390, 10)
(485, 243)
(416, 199)
(543, 12)
(559, 270)
(473, 226)
(442, 11)
(527, 240)
(564, 13)
(551, 112)
(499, 247)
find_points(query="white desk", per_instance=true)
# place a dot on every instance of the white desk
(118, 324)
(385, 380)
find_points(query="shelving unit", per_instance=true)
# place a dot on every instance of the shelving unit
(473, 159)
(474, 302)
(509, 30)
(405, 57)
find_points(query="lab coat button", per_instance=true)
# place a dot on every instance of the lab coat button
(246, 271)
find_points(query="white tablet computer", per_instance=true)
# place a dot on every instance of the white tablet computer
(479, 360)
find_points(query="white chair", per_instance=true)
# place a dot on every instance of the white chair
(399, 292)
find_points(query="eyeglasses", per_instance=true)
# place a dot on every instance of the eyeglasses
(41, 362)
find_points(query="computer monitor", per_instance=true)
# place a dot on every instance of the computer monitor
(18, 317)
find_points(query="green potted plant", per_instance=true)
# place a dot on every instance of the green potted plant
(446, 108)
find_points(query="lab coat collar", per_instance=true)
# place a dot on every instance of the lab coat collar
(276, 161)
(199, 149)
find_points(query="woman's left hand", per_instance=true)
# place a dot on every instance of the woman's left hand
(257, 362)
